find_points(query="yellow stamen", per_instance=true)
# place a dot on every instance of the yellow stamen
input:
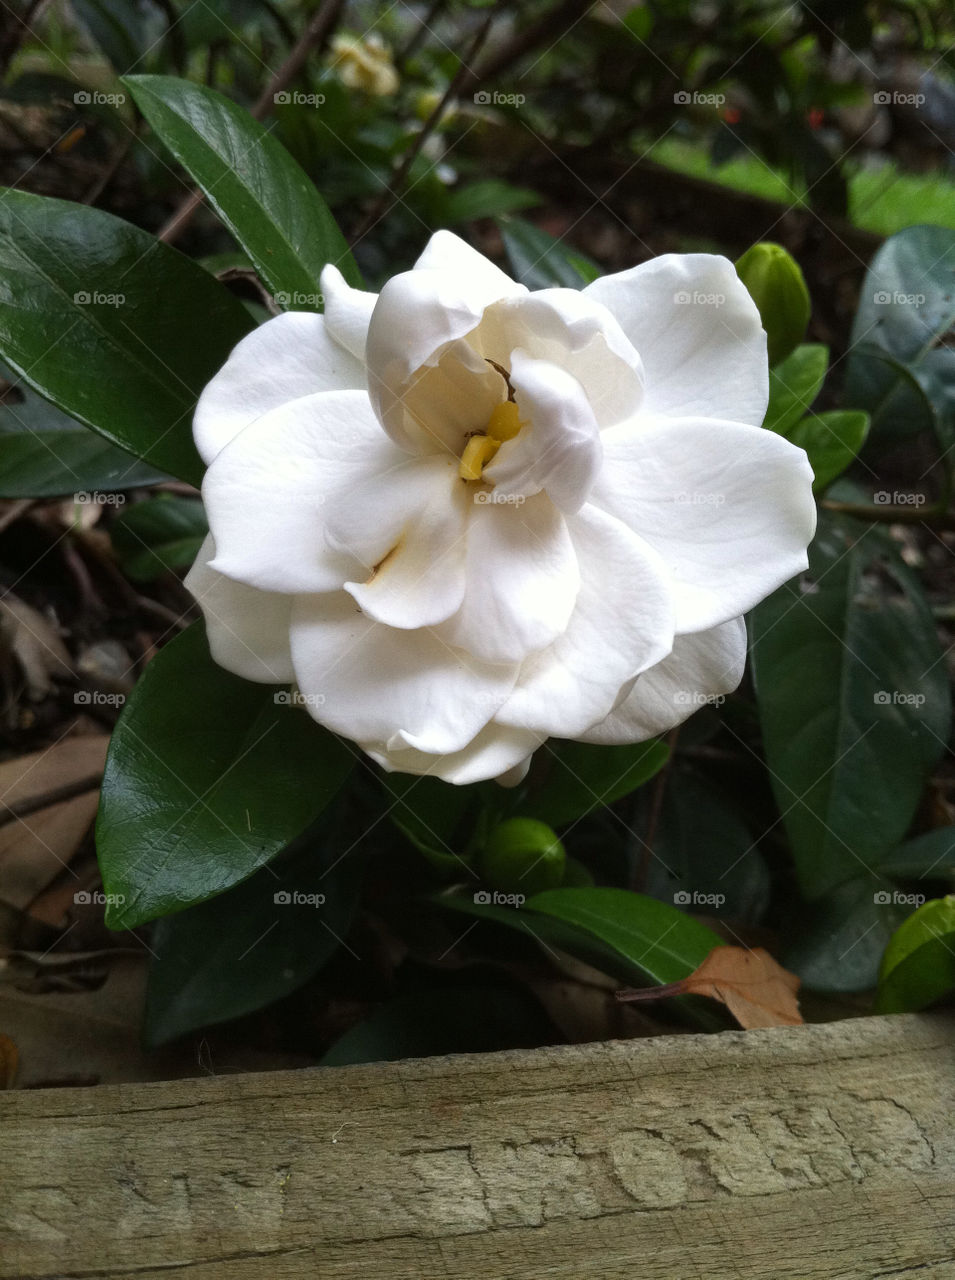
(504, 422)
(477, 451)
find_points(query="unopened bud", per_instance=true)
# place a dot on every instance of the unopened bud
(524, 856)
(777, 286)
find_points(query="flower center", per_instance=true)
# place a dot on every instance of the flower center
(503, 424)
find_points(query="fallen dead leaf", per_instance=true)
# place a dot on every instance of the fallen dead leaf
(757, 990)
(35, 644)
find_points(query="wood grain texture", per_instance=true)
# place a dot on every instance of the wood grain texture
(807, 1152)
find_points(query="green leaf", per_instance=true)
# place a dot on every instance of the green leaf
(906, 309)
(578, 778)
(44, 453)
(794, 385)
(489, 198)
(831, 440)
(704, 856)
(119, 27)
(656, 938)
(262, 195)
(207, 778)
(853, 701)
(918, 967)
(540, 261)
(839, 940)
(430, 813)
(253, 945)
(159, 534)
(929, 855)
(120, 331)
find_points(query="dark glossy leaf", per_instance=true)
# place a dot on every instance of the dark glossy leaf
(925, 856)
(431, 813)
(918, 967)
(262, 195)
(540, 261)
(159, 534)
(906, 308)
(853, 701)
(120, 331)
(254, 944)
(838, 941)
(208, 777)
(44, 453)
(577, 778)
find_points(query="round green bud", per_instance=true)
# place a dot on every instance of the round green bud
(777, 286)
(524, 856)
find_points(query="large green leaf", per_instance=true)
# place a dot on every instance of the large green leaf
(120, 331)
(831, 441)
(906, 309)
(794, 385)
(208, 777)
(931, 854)
(918, 967)
(256, 943)
(44, 453)
(853, 701)
(262, 195)
(837, 942)
(577, 778)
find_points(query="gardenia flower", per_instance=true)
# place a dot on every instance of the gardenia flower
(463, 517)
(365, 64)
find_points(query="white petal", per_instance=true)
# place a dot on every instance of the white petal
(559, 448)
(497, 752)
(347, 312)
(728, 507)
(247, 629)
(418, 314)
(579, 334)
(269, 492)
(409, 527)
(698, 333)
(623, 624)
(287, 357)
(402, 689)
(701, 667)
(521, 580)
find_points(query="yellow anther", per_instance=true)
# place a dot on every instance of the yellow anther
(504, 422)
(478, 451)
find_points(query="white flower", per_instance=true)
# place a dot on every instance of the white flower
(365, 64)
(463, 517)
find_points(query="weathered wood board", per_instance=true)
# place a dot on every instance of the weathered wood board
(805, 1152)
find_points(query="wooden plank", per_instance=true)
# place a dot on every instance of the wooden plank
(813, 1152)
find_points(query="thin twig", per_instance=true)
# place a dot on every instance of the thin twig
(935, 514)
(390, 195)
(314, 37)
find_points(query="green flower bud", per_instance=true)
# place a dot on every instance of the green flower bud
(777, 286)
(523, 856)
